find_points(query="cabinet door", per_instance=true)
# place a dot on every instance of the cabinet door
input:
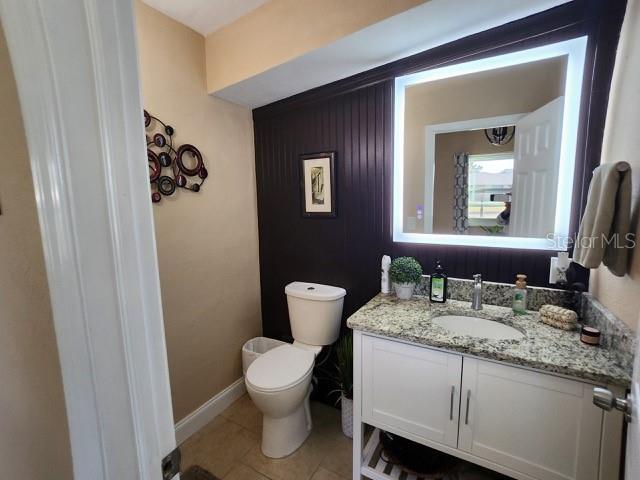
(411, 389)
(537, 424)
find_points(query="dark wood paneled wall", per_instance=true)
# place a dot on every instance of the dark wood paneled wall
(354, 118)
(343, 251)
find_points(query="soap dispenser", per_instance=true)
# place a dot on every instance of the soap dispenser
(438, 289)
(520, 294)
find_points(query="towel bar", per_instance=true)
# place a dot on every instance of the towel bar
(623, 166)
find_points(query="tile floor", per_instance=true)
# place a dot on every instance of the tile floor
(229, 447)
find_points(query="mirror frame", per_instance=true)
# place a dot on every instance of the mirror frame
(575, 50)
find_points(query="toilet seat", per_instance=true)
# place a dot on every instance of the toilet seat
(280, 368)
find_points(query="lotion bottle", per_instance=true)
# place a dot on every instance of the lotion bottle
(520, 295)
(384, 274)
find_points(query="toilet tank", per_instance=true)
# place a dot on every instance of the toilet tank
(315, 312)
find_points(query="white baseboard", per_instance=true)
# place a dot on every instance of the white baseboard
(209, 410)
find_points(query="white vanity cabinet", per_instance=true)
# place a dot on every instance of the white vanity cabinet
(526, 424)
(414, 389)
(544, 426)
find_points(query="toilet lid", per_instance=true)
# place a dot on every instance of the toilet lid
(280, 368)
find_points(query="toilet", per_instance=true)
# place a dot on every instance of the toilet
(279, 381)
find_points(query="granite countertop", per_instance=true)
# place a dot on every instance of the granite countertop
(543, 347)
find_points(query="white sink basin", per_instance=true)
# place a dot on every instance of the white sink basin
(478, 327)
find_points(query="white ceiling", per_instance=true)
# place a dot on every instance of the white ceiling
(205, 16)
(423, 27)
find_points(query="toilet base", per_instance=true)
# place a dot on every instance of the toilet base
(283, 436)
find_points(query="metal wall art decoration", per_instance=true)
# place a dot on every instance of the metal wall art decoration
(171, 167)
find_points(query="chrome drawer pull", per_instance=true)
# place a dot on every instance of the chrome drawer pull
(453, 392)
(466, 418)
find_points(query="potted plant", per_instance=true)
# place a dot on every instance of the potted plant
(493, 229)
(405, 272)
(344, 379)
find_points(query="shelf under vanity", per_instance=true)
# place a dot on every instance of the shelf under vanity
(376, 468)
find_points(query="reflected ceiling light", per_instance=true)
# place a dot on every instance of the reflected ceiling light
(500, 135)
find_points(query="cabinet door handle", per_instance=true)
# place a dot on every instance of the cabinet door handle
(466, 416)
(453, 392)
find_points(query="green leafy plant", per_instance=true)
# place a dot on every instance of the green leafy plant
(344, 366)
(493, 229)
(405, 270)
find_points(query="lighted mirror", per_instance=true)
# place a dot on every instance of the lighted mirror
(484, 151)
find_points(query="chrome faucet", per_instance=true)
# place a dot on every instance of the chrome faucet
(476, 298)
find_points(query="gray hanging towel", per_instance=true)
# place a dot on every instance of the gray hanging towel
(605, 224)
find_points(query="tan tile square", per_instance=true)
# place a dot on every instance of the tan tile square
(245, 413)
(218, 446)
(322, 474)
(243, 472)
(338, 454)
(300, 465)
(326, 419)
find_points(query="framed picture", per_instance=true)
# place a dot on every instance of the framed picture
(318, 185)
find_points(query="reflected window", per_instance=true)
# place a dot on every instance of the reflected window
(490, 184)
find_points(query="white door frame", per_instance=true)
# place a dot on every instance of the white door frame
(430, 132)
(76, 68)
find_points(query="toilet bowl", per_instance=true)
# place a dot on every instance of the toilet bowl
(279, 383)
(279, 380)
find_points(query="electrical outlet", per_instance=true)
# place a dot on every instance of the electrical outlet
(558, 269)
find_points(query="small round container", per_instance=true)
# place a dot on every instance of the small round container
(590, 335)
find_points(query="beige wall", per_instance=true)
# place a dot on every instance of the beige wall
(281, 30)
(34, 437)
(207, 242)
(506, 91)
(621, 295)
(472, 142)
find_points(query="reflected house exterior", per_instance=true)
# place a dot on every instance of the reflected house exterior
(484, 183)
